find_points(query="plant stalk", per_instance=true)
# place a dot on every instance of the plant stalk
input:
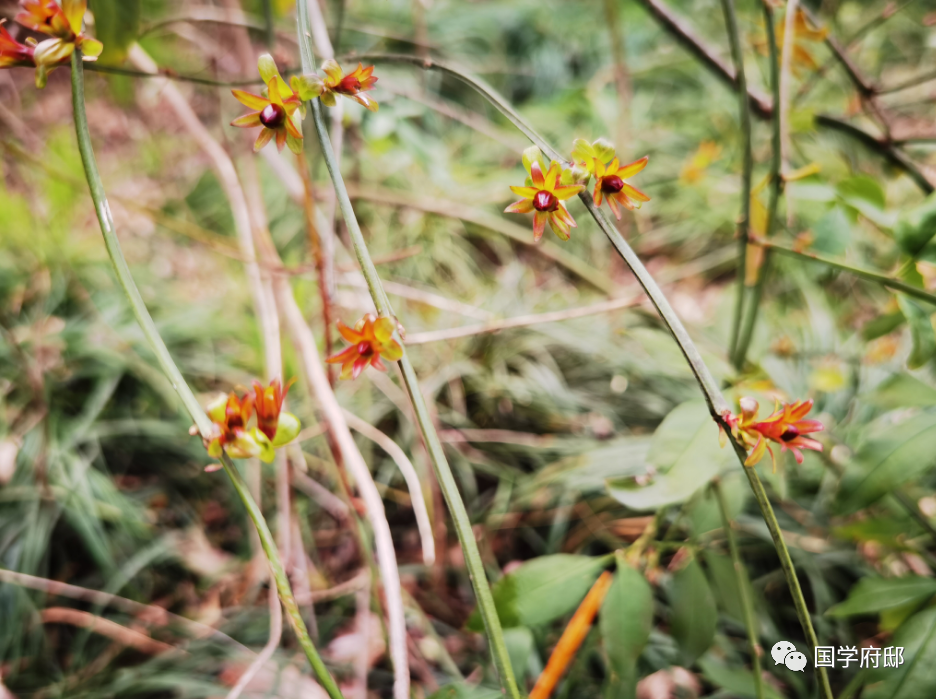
(744, 221)
(739, 351)
(743, 581)
(713, 396)
(185, 393)
(434, 445)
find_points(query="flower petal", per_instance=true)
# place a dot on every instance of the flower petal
(333, 71)
(248, 120)
(393, 351)
(524, 206)
(633, 168)
(349, 334)
(539, 225)
(567, 191)
(280, 139)
(360, 364)
(634, 193)
(552, 176)
(275, 96)
(366, 102)
(267, 67)
(758, 452)
(559, 226)
(598, 195)
(525, 192)
(536, 174)
(265, 136)
(251, 100)
(74, 12)
(90, 48)
(383, 329)
(612, 202)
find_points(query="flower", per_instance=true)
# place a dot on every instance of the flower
(543, 195)
(600, 160)
(63, 23)
(279, 427)
(231, 416)
(609, 181)
(276, 113)
(695, 167)
(786, 426)
(370, 338)
(335, 82)
(12, 52)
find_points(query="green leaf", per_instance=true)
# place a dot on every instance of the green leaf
(625, 622)
(117, 25)
(917, 227)
(892, 455)
(916, 678)
(519, 642)
(902, 391)
(873, 595)
(725, 585)
(693, 614)
(921, 330)
(863, 194)
(882, 325)
(685, 454)
(831, 233)
(542, 590)
(739, 682)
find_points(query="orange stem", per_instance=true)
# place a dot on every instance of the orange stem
(572, 638)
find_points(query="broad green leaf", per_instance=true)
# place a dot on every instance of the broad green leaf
(626, 619)
(116, 25)
(519, 642)
(685, 454)
(872, 595)
(865, 195)
(693, 615)
(704, 515)
(902, 391)
(892, 455)
(542, 590)
(917, 227)
(739, 682)
(831, 233)
(921, 330)
(882, 325)
(725, 585)
(916, 677)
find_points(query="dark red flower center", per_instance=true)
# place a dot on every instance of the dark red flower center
(273, 116)
(349, 85)
(365, 349)
(611, 184)
(545, 201)
(789, 434)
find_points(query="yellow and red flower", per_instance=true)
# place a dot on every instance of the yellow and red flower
(279, 113)
(271, 419)
(335, 82)
(63, 23)
(231, 416)
(786, 426)
(543, 195)
(370, 338)
(599, 159)
(12, 52)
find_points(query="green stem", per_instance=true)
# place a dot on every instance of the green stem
(744, 221)
(713, 396)
(175, 376)
(423, 418)
(741, 577)
(889, 282)
(269, 27)
(740, 350)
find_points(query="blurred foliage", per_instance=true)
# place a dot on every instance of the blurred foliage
(569, 440)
